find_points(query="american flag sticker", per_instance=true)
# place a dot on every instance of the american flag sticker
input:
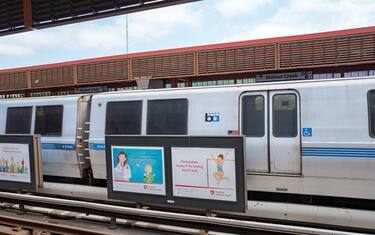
(233, 132)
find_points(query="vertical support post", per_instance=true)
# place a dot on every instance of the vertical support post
(28, 78)
(174, 82)
(130, 68)
(21, 209)
(27, 14)
(277, 56)
(75, 74)
(113, 223)
(195, 63)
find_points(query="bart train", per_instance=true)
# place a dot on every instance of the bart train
(302, 137)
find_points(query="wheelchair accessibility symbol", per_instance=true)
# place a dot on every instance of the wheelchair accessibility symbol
(307, 132)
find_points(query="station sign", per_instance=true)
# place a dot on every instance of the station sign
(271, 77)
(202, 172)
(91, 89)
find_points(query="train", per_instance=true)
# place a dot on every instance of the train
(306, 138)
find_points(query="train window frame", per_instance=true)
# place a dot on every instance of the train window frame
(243, 114)
(30, 119)
(124, 101)
(371, 124)
(61, 124)
(273, 116)
(148, 132)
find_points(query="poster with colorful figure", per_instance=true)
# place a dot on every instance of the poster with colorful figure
(14, 162)
(207, 173)
(138, 169)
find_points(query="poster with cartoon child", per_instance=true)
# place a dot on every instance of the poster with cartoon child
(207, 173)
(138, 169)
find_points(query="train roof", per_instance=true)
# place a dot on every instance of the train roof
(43, 98)
(252, 86)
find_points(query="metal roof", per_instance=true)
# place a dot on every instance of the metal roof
(23, 15)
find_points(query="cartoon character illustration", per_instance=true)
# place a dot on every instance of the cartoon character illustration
(148, 176)
(12, 167)
(1, 165)
(6, 166)
(22, 168)
(122, 169)
(219, 174)
(19, 167)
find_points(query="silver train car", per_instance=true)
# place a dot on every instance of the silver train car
(62, 124)
(302, 137)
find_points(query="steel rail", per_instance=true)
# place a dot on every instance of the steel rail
(161, 217)
(44, 226)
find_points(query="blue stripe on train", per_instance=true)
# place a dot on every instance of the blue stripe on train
(94, 146)
(307, 151)
(57, 146)
(338, 152)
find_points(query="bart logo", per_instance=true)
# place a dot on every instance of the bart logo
(212, 117)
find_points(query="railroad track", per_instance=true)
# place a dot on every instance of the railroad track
(197, 222)
(41, 221)
(19, 224)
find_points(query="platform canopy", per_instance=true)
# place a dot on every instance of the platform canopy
(23, 15)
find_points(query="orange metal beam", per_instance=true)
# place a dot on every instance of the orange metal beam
(27, 14)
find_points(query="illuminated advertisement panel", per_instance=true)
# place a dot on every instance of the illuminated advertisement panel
(200, 172)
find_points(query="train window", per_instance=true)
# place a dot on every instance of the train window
(371, 107)
(285, 115)
(18, 120)
(253, 116)
(167, 117)
(48, 120)
(124, 117)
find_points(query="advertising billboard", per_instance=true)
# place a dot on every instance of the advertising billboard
(19, 162)
(201, 172)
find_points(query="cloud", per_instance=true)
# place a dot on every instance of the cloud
(230, 8)
(204, 22)
(160, 23)
(27, 43)
(106, 35)
(7, 49)
(143, 27)
(98, 37)
(300, 17)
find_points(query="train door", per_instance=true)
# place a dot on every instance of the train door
(254, 115)
(284, 140)
(270, 122)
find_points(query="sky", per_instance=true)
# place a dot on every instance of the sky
(198, 23)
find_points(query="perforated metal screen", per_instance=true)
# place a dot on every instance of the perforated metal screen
(21, 15)
(11, 15)
(331, 51)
